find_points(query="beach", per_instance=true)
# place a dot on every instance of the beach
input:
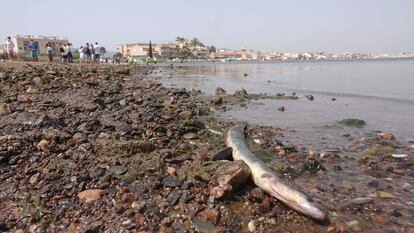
(117, 148)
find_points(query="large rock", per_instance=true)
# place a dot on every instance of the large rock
(230, 177)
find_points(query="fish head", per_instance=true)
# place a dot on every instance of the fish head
(294, 198)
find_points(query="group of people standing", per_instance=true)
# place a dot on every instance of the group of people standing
(88, 52)
(65, 53)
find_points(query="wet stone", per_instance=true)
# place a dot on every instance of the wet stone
(220, 91)
(171, 181)
(3, 226)
(313, 165)
(240, 92)
(225, 154)
(361, 200)
(190, 136)
(385, 195)
(174, 197)
(216, 100)
(118, 170)
(374, 184)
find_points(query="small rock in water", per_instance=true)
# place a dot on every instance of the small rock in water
(351, 122)
(281, 108)
(220, 91)
(385, 136)
(333, 99)
(240, 92)
(313, 165)
(216, 100)
(245, 74)
(310, 97)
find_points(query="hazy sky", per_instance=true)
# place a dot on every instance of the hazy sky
(294, 25)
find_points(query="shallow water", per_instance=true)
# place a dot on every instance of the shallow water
(381, 92)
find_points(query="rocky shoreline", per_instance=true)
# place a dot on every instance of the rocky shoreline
(89, 148)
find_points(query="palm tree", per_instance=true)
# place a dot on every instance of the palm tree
(195, 42)
(212, 49)
(150, 50)
(180, 39)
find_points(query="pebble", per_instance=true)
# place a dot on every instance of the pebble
(385, 195)
(354, 225)
(43, 145)
(251, 226)
(399, 156)
(216, 100)
(118, 170)
(361, 200)
(34, 179)
(190, 136)
(374, 184)
(385, 136)
(225, 154)
(240, 92)
(166, 221)
(122, 102)
(171, 181)
(90, 195)
(220, 91)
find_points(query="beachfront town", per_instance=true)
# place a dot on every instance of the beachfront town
(183, 49)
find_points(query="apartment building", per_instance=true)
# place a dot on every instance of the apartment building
(21, 43)
(142, 50)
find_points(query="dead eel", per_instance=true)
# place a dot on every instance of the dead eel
(265, 178)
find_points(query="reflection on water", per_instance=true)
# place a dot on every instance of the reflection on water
(379, 92)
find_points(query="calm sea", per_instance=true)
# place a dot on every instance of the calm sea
(381, 92)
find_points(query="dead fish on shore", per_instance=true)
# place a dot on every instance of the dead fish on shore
(265, 179)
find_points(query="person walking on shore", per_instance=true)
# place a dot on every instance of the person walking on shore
(33, 47)
(81, 54)
(87, 52)
(63, 52)
(92, 48)
(68, 50)
(97, 50)
(49, 49)
(9, 47)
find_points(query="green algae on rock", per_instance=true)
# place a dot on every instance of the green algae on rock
(352, 122)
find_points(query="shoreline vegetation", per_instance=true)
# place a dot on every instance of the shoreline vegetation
(93, 148)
